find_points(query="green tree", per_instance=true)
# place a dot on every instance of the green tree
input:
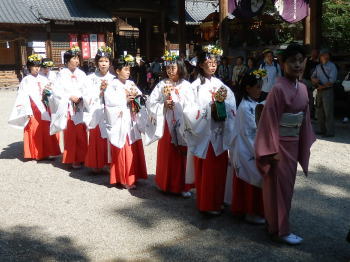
(336, 24)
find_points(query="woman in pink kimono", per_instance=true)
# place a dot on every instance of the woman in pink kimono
(284, 138)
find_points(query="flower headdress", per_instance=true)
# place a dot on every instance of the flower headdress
(169, 58)
(34, 59)
(104, 51)
(74, 50)
(259, 73)
(213, 50)
(47, 63)
(127, 60)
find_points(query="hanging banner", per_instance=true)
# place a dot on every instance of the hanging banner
(93, 45)
(292, 11)
(73, 40)
(246, 8)
(85, 44)
(231, 6)
(101, 41)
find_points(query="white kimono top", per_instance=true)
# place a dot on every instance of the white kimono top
(243, 152)
(51, 76)
(94, 103)
(120, 121)
(67, 84)
(158, 114)
(199, 127)
(30, 88)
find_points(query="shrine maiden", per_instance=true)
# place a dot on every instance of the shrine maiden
(31, 114)
(283, 139)
(67, 112)
(93, 97)
(46, 70)
(209, 132)
(165, 105)
(125, 118)
(247, 181)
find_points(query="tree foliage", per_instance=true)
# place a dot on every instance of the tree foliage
(336, 24)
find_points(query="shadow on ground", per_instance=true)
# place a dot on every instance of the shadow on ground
(319, 214)
(13, 151)
(22, 243)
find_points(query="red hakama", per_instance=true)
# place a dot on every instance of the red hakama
(38, 144)
(128, 164)
(96, 156)
(171, 165)
(75, 143)
(210, 179)
(246, 199)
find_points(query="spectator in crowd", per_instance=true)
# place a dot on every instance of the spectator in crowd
(224, 71)
(273, 71)
(251, 66)
(238, 72)
(324, 78)
(310, 65)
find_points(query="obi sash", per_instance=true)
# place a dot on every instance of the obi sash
(290, 124)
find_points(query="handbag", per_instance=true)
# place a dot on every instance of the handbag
(346, 83)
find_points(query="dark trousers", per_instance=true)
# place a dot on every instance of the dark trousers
(325, 111)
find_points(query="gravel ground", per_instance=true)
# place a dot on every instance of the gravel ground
(52, 213)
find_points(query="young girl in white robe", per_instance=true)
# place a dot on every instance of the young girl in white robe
(96, 84)
(165, 106)
(31, 114)
(247, 180)
(125, 120)
(209, 132)
(67, 99)
(46, 71)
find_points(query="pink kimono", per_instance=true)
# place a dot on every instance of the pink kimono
(279, 176)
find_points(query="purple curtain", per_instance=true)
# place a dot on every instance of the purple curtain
(292, 11)
(245, 8)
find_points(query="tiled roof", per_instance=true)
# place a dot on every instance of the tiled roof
(18, 12)
(42, 11)
(196, 10)
(70, 10)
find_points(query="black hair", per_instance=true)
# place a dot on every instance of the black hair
(247, 80)
(68, 55)
(119, 63)
(202, 57)
(253, 60)
(33, 63)
(292, 50)
(99, 55)
(181, 69)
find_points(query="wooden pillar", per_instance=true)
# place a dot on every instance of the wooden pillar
(315, 23)
(148, 37)
(48, 42)
(181, 26)
(223, 5)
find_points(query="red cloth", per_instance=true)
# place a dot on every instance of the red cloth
(75, 143)
(38, 144)
(128, 164)
(171, 165)
(246, 198)
(96, 156)
(210, 179)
